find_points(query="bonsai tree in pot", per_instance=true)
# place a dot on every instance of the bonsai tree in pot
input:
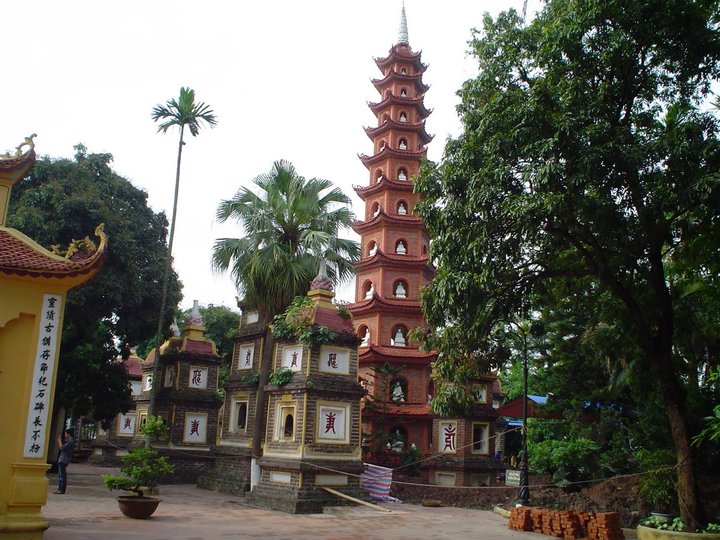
(142, 469)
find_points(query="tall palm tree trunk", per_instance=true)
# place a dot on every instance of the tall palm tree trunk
(166, 278)
(260, 399)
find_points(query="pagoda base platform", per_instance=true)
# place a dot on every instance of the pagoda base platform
(297, 487)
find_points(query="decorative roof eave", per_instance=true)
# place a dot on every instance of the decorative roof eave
(390, 304)
(400, 51)
(392, 410)
(417, 102)
(386, 183)
(400, 260)
(400, 126)
(21, 257)
(380, 353)
(420, 86)
(382, 218)
(15, 167)
(388, 152)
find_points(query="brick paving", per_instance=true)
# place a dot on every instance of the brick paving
(89, 511)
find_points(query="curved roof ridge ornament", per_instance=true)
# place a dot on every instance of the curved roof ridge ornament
(403, 32)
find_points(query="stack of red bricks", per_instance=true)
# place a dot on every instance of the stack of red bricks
(566, 524)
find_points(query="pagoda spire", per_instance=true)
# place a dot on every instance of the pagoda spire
(403, 33)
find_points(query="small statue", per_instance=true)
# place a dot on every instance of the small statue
(400, 291)
(402, 210)
(400, 249)
(397, 393)
(399, 339)
(373, 249)
(377, 211)
(366, 338)
(402, 175)
(371, 291)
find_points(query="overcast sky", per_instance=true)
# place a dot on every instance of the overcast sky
(287, 79)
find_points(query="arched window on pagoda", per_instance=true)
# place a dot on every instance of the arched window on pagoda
(385, 118)
(424, 249)
(378, 176)
(398, 390)
(403, 71)
(368, 289)
(403, 92)
(402, 174)
(431, 391)
(387, 93)
(400, 289)
(381, 145)
(402, 145)
(401, 247)
(372, 248)
(375, 208)
(364, 334)
(402, 208)
(403, 116)
(398, 336)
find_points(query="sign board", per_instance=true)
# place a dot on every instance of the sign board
(512, 478)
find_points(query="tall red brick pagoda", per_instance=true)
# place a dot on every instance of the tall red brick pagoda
(394, 263)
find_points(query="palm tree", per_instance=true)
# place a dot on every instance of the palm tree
(182, 113)
(289, 226)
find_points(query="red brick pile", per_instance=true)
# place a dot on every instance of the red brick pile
(566, 524)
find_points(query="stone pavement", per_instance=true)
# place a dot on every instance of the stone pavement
(89, 511)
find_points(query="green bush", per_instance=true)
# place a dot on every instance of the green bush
(658, 484)
(280, 377)
(566, 461)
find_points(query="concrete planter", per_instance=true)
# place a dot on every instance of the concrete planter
(648, 533)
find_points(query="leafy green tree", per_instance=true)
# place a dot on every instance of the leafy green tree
(586, 159)
(289, 223)
(183, 113)
(61, 200)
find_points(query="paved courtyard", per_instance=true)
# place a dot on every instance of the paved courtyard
(89, 511)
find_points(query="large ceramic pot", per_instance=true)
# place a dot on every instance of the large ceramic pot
(138, 507)
(648, 533)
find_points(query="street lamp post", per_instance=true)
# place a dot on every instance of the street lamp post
(524, 489)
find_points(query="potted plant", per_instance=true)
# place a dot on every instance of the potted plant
(143, 468)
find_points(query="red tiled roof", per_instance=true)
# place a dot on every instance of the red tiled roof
(388, 152)
(380, 353)
(332, 319)
(19, 255)
(385, 183)
(133, 365)
(398, 409)
(383, 217)
(394, 75)
(390, 258)
(376, 302)
(197, 347)
(416, 102)
(400, 51)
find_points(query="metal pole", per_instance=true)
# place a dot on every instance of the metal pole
(524, 489)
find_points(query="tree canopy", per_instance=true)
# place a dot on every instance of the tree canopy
(289, 225)
(588, 166)
(61, 200)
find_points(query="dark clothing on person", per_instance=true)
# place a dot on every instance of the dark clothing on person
(64, 458)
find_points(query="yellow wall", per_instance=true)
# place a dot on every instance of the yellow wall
(23, 484)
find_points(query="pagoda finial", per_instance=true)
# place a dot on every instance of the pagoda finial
(322, 281)
(403, 34)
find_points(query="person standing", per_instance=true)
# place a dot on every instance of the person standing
(67, 449)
